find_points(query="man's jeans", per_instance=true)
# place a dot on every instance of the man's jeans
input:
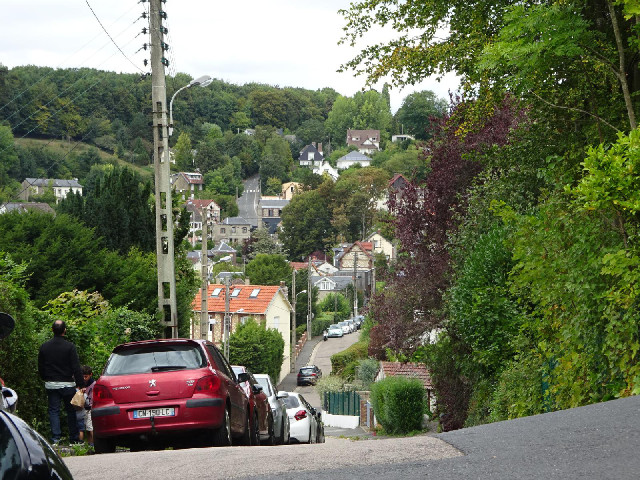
(64, 395)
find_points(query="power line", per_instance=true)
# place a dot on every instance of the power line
(112, 40)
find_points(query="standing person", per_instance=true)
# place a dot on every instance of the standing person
(59, 367)
(89, 382)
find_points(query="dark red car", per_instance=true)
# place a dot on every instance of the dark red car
(173, 392)
(262, 427)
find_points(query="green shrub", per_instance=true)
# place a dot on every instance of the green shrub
(259, 349)
(300, 329)
(366, 371)
(339, 361)
(321, 323)
(398, 404)
(329, 383)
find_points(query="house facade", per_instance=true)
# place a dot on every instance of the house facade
(311, 156)
(325, 167)
(366, 141)
(196, 209)
(23, 207)
(330, 284)
(381, 245)
(353, 158)
(270, 209)
(266, 304)
(232, 230)
(185, 184)
(38, 186)
(289, 189)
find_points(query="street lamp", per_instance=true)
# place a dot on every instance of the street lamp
(203, 81)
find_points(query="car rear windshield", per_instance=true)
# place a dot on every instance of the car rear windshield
(334, 326)
(155, 358)
(291, 402)
(307, 370)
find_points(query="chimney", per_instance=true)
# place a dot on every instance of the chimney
(247, 281)
(320, 147)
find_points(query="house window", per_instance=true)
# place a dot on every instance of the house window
(216, 292)
(271, 212)
(276, 323)
(244, 320)
(223, 230)
(236, 292)
(355, 139)
(254, 293)
(309, 155)
(244, 229)
(233, 229)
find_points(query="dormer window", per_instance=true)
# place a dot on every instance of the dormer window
(236, 292)
(216, 292)
(254, 293)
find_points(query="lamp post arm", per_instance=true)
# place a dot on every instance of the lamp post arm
(171, 108)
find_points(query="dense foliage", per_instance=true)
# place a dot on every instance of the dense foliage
(399, 404)
(259, 349)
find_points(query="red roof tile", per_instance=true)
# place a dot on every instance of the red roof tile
(409, 369)
(242, 301)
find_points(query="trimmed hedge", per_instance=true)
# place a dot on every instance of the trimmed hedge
(398, 404)
(321, 323)
(340, 361)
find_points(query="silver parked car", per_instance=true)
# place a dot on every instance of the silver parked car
(278, 408)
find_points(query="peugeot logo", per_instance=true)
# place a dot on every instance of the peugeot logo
(152, 382)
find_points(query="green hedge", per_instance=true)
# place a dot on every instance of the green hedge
(340, 361)
(321, 323)
(398, 404)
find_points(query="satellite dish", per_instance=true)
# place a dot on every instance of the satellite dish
(6, 325)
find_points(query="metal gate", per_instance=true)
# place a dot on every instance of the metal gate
(341, 403)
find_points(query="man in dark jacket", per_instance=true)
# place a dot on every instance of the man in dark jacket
(59, 367)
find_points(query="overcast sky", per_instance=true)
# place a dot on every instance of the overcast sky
(284, 43)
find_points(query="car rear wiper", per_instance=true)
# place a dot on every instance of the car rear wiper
(166, 368)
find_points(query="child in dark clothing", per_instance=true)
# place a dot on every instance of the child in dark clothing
(89, 383)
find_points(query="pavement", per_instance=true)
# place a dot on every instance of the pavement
(318, 352)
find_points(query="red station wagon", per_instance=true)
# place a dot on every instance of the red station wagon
(173, 392)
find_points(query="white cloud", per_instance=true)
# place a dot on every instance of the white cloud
(285, 43)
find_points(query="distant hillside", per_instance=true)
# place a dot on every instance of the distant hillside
(63, 147)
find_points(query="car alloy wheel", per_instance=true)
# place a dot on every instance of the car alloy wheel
(222, 436)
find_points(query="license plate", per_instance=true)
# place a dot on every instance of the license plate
(154, 412)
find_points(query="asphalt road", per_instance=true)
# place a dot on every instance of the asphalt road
(600, 441)
(249, 199)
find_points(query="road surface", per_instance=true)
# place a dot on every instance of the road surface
(248, 202)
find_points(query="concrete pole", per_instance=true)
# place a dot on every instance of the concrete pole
(164, 220)
(293, 323)
(309, 292)
(227, 319)
(204, 314)
(355, 284)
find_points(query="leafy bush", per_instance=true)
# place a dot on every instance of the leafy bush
(300, 329)
(321, 323)
(329, 383)
(340, 361)
(259, 349)
(366, 371)
(398, 403)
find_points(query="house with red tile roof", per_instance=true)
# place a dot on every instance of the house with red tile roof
(186, 183)
(409, 370)
(266, 304)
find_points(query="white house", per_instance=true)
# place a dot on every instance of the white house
(353, 158)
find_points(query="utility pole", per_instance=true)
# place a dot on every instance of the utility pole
(293, 323)
(355, 288)
(164, 220)
(309, 300)
(204, 314)
(227, 319)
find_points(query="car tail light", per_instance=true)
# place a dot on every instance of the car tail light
(300, 414)
(314, 374)
(209, 383)
(100, 392)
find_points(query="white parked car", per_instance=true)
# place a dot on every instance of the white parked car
(335, 331)
(345, 327)
(302, 419)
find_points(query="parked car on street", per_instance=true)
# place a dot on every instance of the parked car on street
(260, 410)
(345, 327)
(309, 375)
(24, 454)
(334, 331)
(302, 416)
(278, 407)
(352, 325)
(171, 392)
